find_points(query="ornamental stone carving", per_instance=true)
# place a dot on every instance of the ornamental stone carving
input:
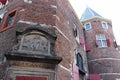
(35, 42)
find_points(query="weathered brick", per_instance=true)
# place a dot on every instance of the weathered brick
(55, 17)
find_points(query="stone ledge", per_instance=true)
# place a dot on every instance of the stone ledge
(18, 56)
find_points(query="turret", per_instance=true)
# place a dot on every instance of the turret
(103, 58)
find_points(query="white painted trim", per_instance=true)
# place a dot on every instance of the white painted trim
(28, 1)
(110, 74)
(54, 6)
(96, 17)
(85, 26)
(57, 17)
(33, 23)
(104, 59)
(64, 68)
(105, 23)
(27, 22)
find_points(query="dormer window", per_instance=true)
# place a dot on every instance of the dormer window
(104, 25)
(87, 26)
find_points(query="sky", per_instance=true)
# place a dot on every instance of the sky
(109, 9)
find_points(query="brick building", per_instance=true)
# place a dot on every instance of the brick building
(39, 40)
(45, 40)
(102, 55)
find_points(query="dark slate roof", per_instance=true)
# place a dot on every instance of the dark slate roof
(89, 13)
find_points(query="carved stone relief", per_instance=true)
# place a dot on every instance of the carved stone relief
(34, 42)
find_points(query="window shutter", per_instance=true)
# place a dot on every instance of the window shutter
(75, 72)
(108, 42)
(94, 77)
(20, 78)
(0, 19)
(3, 1)
(82, 42)
(96, 42)
(87, 47)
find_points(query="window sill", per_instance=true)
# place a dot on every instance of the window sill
(103, 47)
(87, 29)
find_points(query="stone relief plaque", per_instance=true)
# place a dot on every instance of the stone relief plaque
(35, 42)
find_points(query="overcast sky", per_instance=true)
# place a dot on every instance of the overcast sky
(109, 9)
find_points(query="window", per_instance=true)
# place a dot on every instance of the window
(76, 33)
(10, 19)
(79, 61)
(104, 25)
(118, 79)
(75, 30)
(87, 26)
(101, 41)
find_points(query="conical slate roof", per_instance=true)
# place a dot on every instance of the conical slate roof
(89, 13)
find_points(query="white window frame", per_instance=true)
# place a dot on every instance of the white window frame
(117, 78)
(105, 24)
(86, 28)
(101, 40)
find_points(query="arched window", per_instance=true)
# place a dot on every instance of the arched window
(79, 61)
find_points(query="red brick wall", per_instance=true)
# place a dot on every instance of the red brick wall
(101, 60)
(57, 14)
(66, 18)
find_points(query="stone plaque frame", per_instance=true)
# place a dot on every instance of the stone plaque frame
(33, 36)
(13, 72)
(35, 42)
